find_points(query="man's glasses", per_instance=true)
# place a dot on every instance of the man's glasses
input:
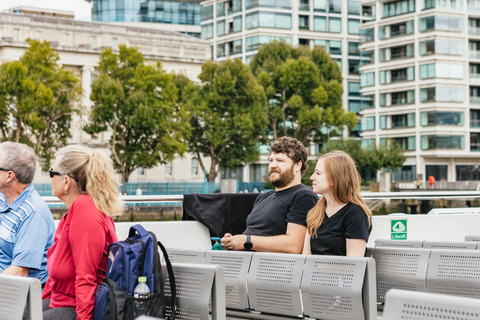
(56, 173)
(3, 169)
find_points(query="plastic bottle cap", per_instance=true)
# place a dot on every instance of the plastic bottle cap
(142, 279)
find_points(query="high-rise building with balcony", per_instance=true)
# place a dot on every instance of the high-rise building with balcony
(426, 82)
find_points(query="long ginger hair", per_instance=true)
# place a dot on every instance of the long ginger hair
(344, 180)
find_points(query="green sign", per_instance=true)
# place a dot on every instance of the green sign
(399, 229)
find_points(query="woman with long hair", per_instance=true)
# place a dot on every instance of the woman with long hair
(84, 180)
(340, 223)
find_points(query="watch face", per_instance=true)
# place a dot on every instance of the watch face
(248, 245)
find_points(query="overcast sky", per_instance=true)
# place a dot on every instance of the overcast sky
(81, 7)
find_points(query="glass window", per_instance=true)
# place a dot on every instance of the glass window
(287, 4)
(220, 9)
(320, 24)
(383, 122)
(367, 143)
(353, 26)
(429, 142)
(237, 46)
(237, 23)
(354, 7)
(445, 94)
(468, 173)
(354, 106)
(382, 77)
(381, 32)
(367, 123)
(367, 35)
(353, 49)
(354, 89)
(353, 66)
(168, 168)
(441, 46)
(220, 27)
(334, 6)
(442, 23)
(207, 12)
(368, 101)
(455, 5)
(320, 5)
(367, 57)
(253, 43)
(319, 42)
(268, 20)
(396, 8)
(237, 5)
(335, 47)
(441, 70)
(367, 79)
(406, 173)
(194, 170)
(207, 31)
(433, 118)
(220, 50)
(334, 25)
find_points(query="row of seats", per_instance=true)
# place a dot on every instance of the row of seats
(269, 285)
(454, 245)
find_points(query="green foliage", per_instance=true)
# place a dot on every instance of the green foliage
(229, 115)
(39, 96)
(374, 158)
(308, 173)
(137, 103)
(304, 91)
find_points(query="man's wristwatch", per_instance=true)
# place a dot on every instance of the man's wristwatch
(248, 244)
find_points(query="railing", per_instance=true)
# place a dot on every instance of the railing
(419, 195)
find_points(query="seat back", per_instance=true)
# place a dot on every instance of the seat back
(236, 265)
(196, 284)
(472, 237)
(398, 243)
(402, 305)
(274, 283)
(186, 255)
(454, 272)
(401, 269)
(332, 288)
(454, 245)
(14, 291)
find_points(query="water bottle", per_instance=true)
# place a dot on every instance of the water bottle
(141, 292)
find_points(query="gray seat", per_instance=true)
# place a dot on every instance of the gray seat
(186, 255)
(398, 243)
(236, 265)
(14, 293)
(401, 305)
(454, 272)
(274, 283)
(472, 238)
(195, 284)
(398, 268)
(454, 245)
(336, 287)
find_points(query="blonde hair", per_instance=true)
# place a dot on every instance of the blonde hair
(344, 179)
(94, 176)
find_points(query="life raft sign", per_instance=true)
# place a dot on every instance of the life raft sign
(399, 229)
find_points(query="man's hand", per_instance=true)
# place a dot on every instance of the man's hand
(236, 242)
(16, 271)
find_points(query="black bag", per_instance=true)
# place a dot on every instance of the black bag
(126, 261)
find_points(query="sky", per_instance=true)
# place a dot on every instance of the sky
(81, 7)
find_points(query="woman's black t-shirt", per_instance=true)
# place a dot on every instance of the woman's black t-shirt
(350, 222)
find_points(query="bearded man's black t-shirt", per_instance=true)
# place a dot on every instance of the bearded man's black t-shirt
(274, 209)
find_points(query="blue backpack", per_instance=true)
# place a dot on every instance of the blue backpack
(127, 260)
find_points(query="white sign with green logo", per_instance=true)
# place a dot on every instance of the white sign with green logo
(399, 229)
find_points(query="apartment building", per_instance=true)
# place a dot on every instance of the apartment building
(425, 80)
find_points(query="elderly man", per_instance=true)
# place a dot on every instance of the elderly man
(26, 223)
(277, 222)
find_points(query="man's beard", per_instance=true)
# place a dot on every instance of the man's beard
(284, 177)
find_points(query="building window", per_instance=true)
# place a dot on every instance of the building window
(354, 89)
(475, 141)
(320, 24)
(353, 26)
(442, 23)
(398, 7)
(397, 98)
(334, 25)
(235, 46)
(353, 49)
(406, 173)
(15, 34)
(38, 34)
(367, 35)
(194, 166)
(442, 94)
(368, 123)
(220, 28)
(268, 20)
(168, 168)
(207, 12)
(207, 31)
(455, 5)
(335, 6)
(430, 142)
(220, 50)
(141, 171)
(438, 118)
(468, 173)
(253, 43)
(303, 22)
(220, 9)
(303, 5)
(441, 70)
(237, 24)
(354, 7)
(353, 66)
(441, 46)
(367, 79)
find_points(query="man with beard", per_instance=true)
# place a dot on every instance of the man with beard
(277, 222)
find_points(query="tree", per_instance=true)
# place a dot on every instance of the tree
(304, 88)
(374, 158)
(39, 96)
(137, 103)
(229, 115)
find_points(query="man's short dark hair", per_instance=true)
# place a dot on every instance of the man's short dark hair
(293, 148)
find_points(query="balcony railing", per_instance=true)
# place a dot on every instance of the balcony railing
(474, 31)
(474, 77)
(474, 100)
(474, 54)
(474, 124)
(304, 7)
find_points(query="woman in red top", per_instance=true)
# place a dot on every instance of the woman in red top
(84, 181)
